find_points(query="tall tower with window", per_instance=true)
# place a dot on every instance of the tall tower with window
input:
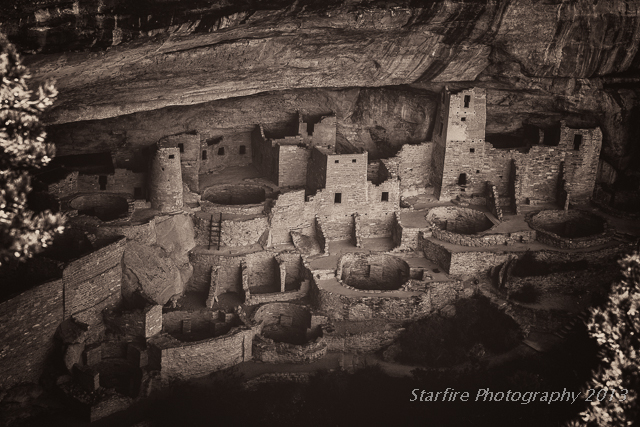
(459, 136)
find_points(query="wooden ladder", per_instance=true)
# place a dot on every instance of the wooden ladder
(215, 231)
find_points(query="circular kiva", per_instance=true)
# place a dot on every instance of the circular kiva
(572, 224)
(373, 271)
(284, 322)
(459, 220)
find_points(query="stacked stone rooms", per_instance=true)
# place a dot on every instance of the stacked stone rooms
(224, 251)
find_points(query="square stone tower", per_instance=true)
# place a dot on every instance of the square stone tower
(459, 137)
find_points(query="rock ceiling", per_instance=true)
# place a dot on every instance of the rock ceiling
(371, 61)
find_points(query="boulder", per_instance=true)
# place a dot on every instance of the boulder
(149, 273)
(176, 235)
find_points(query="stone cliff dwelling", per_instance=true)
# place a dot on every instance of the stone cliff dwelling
(198, 264)
(196, 243)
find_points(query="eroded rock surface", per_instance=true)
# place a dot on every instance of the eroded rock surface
(149, 273)
(345, 44)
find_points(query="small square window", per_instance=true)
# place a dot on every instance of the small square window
(243, 150)
(181, 147)
(337, 198)
(385, 196)
(477, 171)
(472, 150)
(171, 156)
(221, 151)
(337, 161)
(463, 119)
(353, 160)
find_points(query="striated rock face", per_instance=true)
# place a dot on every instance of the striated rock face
(344, 45)
(130, 73)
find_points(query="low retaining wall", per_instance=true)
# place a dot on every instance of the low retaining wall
(184, 360)
(483, 240)
(367, 342)
(268, 351)
(342, 307)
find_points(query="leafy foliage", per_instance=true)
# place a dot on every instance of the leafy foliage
(22, 149)
(616, 327)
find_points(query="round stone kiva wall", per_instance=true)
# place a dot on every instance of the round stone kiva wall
(106, 207)
(373, 271)
(284, 322)
(235, 194)
(459, 220)
(571, 224)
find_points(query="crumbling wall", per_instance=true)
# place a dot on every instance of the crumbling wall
(290, 213)
(324, 132)
(28, 323)
(413, 165)
(236, 149)
(121, 181)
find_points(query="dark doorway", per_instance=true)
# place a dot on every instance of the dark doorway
(462, 179)
(102, 180)
(577, 141)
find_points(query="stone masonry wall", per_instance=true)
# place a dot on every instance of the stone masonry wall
(182, 361)
(121, 181)
(229, 273)
(413, 164)
(292, 165)
(435, 252)
(234, 153)
(93, 282)
(28, 323)
(289, 213)
(268, 351)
